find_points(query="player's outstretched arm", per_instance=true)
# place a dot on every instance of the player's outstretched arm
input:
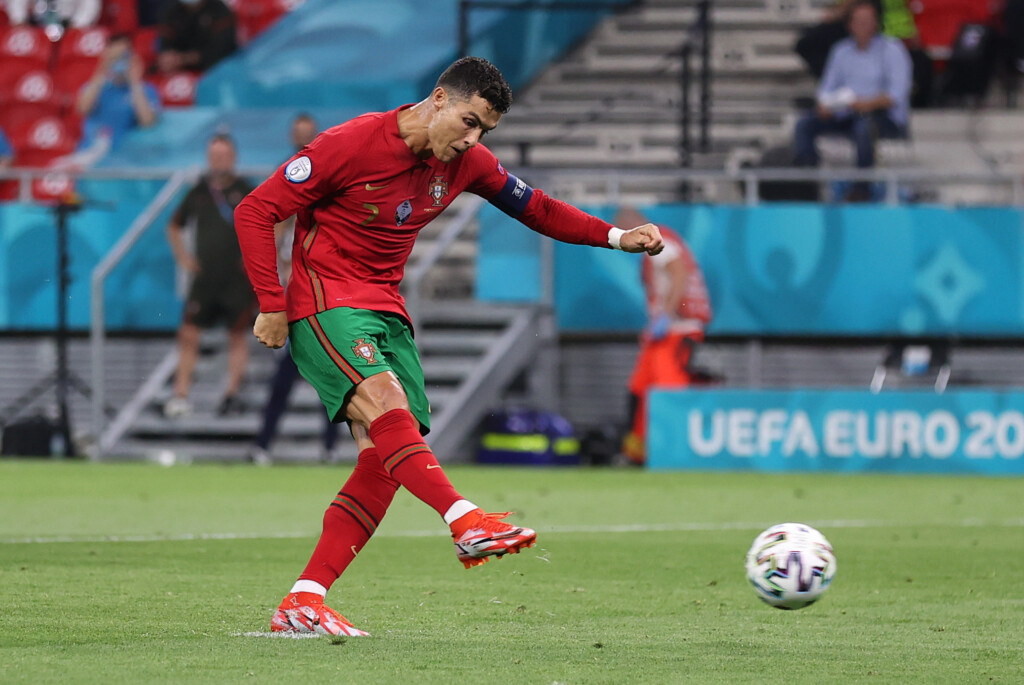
(645, 238)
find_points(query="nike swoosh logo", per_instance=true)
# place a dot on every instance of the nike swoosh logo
(433, 466)
(370, 187)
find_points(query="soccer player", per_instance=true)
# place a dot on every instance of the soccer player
(361, 192)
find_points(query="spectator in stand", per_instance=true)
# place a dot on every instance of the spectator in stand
(195, 35)
(304, 130)
(895, 20)
(864, 94)
(678, 310)
(220, 291)
(113, 102)
(74, 13)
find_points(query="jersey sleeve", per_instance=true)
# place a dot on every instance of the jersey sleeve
(317, 171)
(532, 207)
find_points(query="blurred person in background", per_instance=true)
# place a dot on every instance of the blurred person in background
(195, 35)
(895, 20)
(220, 292)
(863, 95)
(112, 102)
(303, 131)
(678, 310)
(361, 192)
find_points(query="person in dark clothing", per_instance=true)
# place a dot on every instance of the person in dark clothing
(195, 35)
(220, 291)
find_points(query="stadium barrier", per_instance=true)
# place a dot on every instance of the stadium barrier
(979, 431)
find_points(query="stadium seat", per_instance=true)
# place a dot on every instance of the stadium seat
(120, 16)
(22, 49)
(34, 86)
(82, 44)
(939, 21)
(47, 137)
(145, 42)
(177, 89)
(78, 55)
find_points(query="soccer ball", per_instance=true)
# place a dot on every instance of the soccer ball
(790, 565)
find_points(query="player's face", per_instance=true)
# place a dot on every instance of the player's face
(459, 125)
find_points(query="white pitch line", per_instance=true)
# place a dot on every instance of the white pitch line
(607, 529)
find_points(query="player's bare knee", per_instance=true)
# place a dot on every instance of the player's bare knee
(375, 396)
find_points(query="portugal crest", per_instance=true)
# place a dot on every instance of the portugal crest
(366, 350)
(438, 189)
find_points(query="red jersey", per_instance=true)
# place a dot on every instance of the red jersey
(694, 310)
(361, 196)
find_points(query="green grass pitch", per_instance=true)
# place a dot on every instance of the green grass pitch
(143, 574)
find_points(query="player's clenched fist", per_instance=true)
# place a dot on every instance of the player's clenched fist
(646, 238)
(271, 328)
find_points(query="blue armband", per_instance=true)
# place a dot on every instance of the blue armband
(513, 197)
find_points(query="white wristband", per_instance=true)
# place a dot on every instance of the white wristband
(614, 236)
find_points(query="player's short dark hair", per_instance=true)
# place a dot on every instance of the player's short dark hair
(471, 76)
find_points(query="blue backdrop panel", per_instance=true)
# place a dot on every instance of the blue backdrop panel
(962, 431)
(139, 293)
(819, 270)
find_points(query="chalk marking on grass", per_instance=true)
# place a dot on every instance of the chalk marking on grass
(604, 529)
(288, 636)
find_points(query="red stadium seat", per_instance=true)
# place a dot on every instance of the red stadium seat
(52, 187)
(48, 136)
(26, 43)
(22, 49)
(70, 78)
(145, 43)
(177, 89)
(120, 16)
(28, 100)
(82, 44)
(939, 21)
(32, 86)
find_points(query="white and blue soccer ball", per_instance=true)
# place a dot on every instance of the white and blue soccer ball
(790, 565)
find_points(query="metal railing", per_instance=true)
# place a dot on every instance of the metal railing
(97, 322)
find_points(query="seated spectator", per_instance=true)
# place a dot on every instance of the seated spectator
(817, 41)
(195, 35)
(864, 93)
(114, 101)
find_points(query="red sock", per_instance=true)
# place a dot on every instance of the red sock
(351, 519)
(408, 460)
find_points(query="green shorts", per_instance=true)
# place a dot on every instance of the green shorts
(336, 349)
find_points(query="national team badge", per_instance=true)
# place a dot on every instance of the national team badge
(403, 213)
(366, 350)
(438, 189)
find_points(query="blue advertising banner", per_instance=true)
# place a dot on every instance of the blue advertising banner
(799, 269)
(961, 431)
(139, 293)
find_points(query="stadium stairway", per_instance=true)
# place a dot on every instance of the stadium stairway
(470, 354)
